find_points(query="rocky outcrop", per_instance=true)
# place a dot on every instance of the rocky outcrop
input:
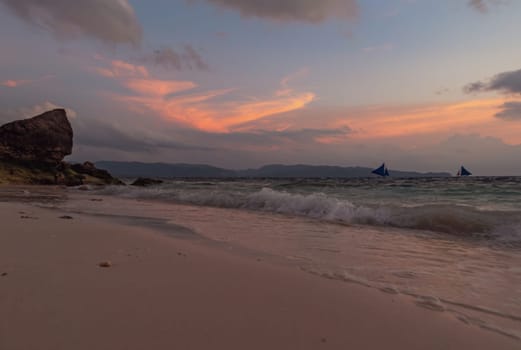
(145, 182)
(46, 138)
(92, 174)
(32, 152)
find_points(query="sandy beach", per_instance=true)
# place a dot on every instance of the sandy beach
(165, 293)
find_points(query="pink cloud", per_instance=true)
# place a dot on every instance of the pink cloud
(285, 89)
(120, 69)
(199, 109)
(14, 83)
(158, 88)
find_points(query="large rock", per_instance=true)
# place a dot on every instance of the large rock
(145, 182)
(89, 172)
(32, 152)
(46, 138)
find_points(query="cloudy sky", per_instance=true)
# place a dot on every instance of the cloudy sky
(423, 85)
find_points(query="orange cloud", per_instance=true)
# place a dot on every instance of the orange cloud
(14, 83)
(200, 109)
(331, 140)
(183, 109)
(158, 88)
(397, 122)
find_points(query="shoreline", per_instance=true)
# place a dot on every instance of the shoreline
(162, 292)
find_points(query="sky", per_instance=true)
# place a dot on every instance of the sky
(419, 84)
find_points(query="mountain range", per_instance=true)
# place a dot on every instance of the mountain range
(165, 170)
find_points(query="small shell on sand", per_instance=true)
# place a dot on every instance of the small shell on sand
(105, 264)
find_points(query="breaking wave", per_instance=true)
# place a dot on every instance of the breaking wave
(453, 219)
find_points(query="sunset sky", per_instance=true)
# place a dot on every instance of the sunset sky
(420, 84)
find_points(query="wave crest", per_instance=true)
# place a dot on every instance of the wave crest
(450, 219)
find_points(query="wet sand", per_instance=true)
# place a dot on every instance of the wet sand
(165, 293)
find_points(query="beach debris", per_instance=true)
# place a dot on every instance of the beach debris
(66, 217)
(431, 303)
(390, 290)
(405, 274)
(28, 217)
(323, 340)
(96, 200)
(463, 319)
(181, 254)
(4, 274)
(105, 264)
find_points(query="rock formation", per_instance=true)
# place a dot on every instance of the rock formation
(32, 152)
(145, 182)
(89, 172)
(46, 138)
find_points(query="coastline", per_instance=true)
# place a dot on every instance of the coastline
(164, 293)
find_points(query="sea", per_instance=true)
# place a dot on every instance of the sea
(449, 244)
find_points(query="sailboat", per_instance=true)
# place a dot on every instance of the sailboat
(381, 170)
(464, 172)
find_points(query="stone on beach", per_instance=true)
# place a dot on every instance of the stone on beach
(105, 264)
(90, 170)
(144, 182)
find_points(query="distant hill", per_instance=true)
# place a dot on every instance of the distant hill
(135, 169)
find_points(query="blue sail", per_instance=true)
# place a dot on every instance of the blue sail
(464, 172)
(382, 171)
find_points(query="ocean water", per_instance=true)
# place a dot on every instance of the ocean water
(450, 244)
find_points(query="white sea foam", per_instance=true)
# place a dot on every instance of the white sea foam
(461, 220)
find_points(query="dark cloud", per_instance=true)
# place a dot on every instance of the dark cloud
(442, 91)
(99, 134)
(479, 5)
(507, 82)
(483, 6)
(477, 86)
(511, 111)
(312, 11)
(113, 21)
(169, 58)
